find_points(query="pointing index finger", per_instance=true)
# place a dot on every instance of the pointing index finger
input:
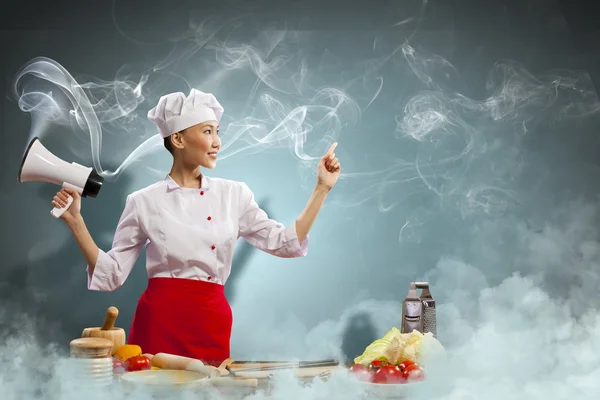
(333, 146)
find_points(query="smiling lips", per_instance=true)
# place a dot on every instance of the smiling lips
(213, 155)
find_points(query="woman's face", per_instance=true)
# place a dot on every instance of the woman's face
(200, 144)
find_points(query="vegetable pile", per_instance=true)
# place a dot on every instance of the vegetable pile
(129, 358)
(396, 358)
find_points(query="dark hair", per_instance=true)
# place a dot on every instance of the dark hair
(168, 144)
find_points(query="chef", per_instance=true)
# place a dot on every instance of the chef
(189, 223)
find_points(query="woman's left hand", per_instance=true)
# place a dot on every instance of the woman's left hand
(328, 170)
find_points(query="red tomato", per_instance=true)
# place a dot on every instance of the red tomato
(405, 364)
(361, 372)
(389, 374)
(414, 373)
(378, 364)
(138, 363)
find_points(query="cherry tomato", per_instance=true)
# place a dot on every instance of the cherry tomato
(138, 363)
(405, 364)
(389, 374)
(378, 364)
(361, 372)
(414, 373)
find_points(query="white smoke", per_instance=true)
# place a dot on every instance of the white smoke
(283, 107)
(517, 287)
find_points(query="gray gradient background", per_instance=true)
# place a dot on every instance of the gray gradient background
(507, 233)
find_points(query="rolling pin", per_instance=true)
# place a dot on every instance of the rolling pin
(108, 330)
(170, 361)
(216, 376)
(224, 367)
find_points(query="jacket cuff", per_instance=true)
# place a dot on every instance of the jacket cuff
(99, 280)
(295, 247)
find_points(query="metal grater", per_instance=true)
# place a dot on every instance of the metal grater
(429, 318)
(429, 321)
(418, 312)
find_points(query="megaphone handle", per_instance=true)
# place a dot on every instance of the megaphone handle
(57, 212)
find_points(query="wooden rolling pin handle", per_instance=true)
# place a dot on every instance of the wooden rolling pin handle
(109, 321)
(226, 363)
(171, 361)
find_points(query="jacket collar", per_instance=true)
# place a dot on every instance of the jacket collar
(172, 185)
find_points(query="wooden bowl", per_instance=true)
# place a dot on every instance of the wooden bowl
(108, 331)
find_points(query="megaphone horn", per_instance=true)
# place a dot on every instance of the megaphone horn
(39, 164)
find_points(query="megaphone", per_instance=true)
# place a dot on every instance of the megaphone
(39, 164)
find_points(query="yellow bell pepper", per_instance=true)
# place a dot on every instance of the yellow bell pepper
(127, 351)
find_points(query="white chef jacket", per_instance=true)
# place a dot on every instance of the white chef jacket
(190, 233)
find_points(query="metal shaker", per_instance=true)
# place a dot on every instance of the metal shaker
(412, 311)
(418, 312)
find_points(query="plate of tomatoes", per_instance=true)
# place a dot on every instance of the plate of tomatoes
(385, 379)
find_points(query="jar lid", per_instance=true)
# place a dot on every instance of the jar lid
(91, 347)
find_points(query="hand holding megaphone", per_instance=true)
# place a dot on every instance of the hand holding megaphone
(67, 199)
(77, 181)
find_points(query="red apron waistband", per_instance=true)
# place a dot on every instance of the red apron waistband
(183, 284)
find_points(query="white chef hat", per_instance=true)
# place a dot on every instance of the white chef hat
(176, 112)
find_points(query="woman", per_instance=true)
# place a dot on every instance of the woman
(189, 224)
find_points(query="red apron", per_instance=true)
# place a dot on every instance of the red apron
(185, 317)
